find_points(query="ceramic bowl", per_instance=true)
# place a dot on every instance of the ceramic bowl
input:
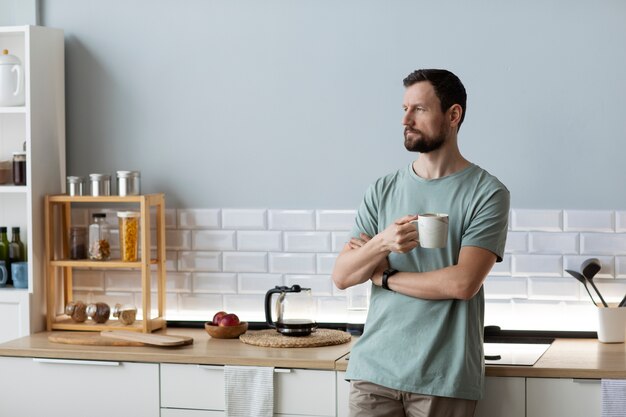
(226, 332)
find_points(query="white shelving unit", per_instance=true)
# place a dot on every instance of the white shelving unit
(40, 123)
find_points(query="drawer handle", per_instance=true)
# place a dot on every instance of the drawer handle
(586, 380)
(282, 371)
(211, 367)
(75, 362)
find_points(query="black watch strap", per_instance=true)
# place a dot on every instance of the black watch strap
(386, 275)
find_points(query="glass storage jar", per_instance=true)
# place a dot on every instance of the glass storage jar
(75, 185)
(78, 243)
(100, 184)
(129, 234)
(99, 247)
(19, 168)
(128, 183)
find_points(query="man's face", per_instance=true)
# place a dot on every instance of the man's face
(425, 127)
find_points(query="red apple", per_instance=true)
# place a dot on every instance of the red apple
(229, 320)
(217, 317)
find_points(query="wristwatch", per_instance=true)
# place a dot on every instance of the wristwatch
(388, 272)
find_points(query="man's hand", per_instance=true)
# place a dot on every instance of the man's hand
(400, 236)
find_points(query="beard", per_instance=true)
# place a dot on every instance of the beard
(423, 143)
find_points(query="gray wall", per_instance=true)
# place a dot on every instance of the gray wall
(297, 104)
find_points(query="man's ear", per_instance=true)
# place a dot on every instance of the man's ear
(454, 113)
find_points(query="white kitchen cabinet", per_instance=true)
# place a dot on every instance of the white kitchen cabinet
(549, 397)
(304, 392)
(504, 396)
(40, 126)
(300, 392)
(343, 395)
(58, 387)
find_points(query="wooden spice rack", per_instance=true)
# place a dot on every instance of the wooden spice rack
(59, 268)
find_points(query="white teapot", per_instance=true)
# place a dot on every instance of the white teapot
(11, 80)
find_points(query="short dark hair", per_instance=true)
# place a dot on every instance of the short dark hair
(448, 88)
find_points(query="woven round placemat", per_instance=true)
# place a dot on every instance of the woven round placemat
(271, 338)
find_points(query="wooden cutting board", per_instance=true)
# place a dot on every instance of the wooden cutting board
(98, 339)
(147, 338)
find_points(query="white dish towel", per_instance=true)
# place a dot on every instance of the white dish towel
(249, 391)
(613, 398)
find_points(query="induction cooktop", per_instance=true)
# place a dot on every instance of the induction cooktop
(514, 354)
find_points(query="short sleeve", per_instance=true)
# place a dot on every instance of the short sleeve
(489, 222)
(367, 215)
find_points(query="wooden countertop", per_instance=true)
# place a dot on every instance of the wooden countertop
(204, 351)
(566, 358)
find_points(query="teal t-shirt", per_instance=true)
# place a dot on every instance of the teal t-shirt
(430, 347)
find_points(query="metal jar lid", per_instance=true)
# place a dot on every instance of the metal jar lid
(127, 214)
(99, 177)
(74, 180)
(128, 174)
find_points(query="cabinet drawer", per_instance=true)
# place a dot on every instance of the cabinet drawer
(304, 391)
(174, 412)
(57, 387)
(548, 397)
(192, 386)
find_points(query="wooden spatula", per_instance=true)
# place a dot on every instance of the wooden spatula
(149, 339)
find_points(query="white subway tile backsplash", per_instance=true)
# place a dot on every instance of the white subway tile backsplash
(252, 219)
(202, 306)
(620, 221)
(620, 267)
(220, 259)
(320, 285)
(544, 242)
(199, 261)
(502, 268)
(335, 219)
(339, 240)
(516, 242)
(219, 283)
(88, 280)
(198, 219)
(292, 220)
(307, 241)
(176, 282)
(612, 290)
(537, 220)
(247, 307)
(292, 263)
(266, 241)
(556, 289)
(245, 261)
(574, 263)
(331, 310)
(258, 283)
(178, 239)
(603, 243)
(215, 240)
(119, 280)
(537, 265)
(326, 263)
(588, 221)
(170, 219)
(503, 287)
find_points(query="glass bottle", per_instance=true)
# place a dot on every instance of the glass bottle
(4, 252)
(99, 247)
(16, 249)
(78, 243)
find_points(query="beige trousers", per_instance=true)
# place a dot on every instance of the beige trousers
(369, 400)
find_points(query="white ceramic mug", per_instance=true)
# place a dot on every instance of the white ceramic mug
(611, 324)
(432, 230)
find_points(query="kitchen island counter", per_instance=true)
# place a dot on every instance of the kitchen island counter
(566, 358)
